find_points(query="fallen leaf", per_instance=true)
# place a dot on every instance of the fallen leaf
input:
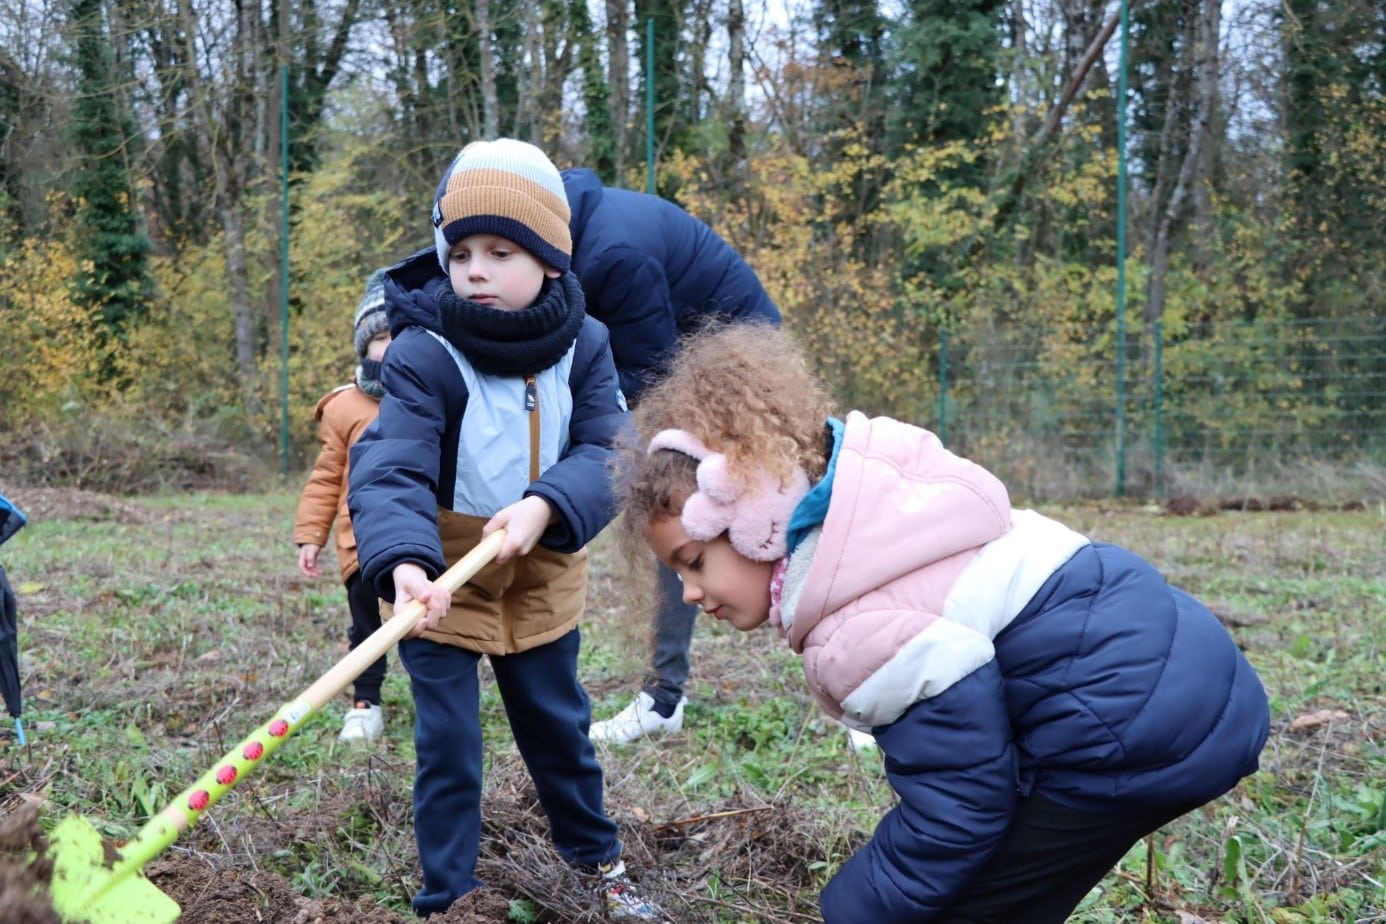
(1312, 720)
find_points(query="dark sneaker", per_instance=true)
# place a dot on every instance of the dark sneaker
(623, 902)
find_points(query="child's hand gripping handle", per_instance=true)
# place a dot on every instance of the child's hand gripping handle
(184, 811)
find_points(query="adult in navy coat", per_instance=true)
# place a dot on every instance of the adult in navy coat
(651, 272)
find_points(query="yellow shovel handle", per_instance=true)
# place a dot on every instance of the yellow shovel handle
(184, 811)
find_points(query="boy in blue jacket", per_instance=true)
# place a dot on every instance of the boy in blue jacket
(501, 403)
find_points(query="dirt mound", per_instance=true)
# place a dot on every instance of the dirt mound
(517, 863)
(205, 893)
(24, 875)
(40, 504)
(232, 896)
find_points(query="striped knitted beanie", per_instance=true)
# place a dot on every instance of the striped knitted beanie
(370, 320)
(508, 188)
(370, 313)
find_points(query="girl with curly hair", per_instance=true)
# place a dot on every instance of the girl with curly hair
(1042, 701)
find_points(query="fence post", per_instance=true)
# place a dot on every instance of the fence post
(943, 385)
(1121, 259)
(284, 269)
(1159, 435)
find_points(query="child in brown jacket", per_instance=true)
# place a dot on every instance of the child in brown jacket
(342, 415)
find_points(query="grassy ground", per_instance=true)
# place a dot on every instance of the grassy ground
(156, 633)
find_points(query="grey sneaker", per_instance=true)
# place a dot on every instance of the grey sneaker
(623, 902)
(638, 720)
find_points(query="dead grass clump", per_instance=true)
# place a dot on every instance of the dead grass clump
(46, 503)
(1260, 485)
(126, 457)
(752, 860)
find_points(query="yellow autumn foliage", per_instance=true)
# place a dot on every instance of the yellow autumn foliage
(55, 356)
(844, 309)
(913, 296)
(344, 229)
(182, 362)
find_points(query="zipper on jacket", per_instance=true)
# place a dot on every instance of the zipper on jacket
(532, 406)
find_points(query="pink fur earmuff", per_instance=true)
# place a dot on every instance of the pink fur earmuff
(755, 518)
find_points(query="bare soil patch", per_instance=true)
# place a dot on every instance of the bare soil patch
(205, 893)
(38, 503)
(741, 844)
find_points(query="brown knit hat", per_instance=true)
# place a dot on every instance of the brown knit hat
(508, 188)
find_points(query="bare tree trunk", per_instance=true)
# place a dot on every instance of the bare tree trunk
(1082, 21)
(736, 82)
(618, 52)
(234, 167)
(528, 119)
(490, 103)
(230, 163)
(559, 41)
(1165, 171)
(455, 93)
(1192, 177)
(247, 362)
(1019, 66)
(1205, 128)
(700, 35)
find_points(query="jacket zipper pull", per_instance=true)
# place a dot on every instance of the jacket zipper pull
(531, 393)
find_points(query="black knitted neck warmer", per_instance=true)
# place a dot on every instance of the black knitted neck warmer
(368, 378)
(498, 342)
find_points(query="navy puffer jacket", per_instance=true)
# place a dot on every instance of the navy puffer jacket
(996, 653)
(651, 271)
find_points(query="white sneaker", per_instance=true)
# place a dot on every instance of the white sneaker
(638, 720)
(860, 741)
(365, 723)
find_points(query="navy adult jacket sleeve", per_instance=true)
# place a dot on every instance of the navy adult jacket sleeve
(629, 292)
(951, 760)
(652, 271)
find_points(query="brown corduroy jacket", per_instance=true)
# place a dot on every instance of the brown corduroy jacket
(342, 415)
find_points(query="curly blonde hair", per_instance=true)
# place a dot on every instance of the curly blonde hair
(744, 389)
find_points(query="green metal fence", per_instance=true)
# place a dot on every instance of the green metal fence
(1214, 411)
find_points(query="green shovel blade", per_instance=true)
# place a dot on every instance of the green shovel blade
(89, 888)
